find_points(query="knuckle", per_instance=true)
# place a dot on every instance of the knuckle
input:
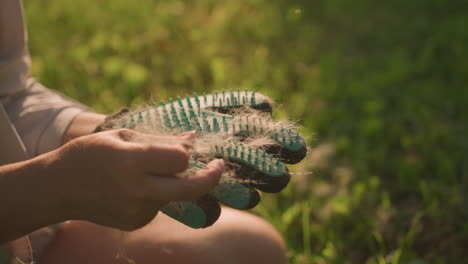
(125, 134)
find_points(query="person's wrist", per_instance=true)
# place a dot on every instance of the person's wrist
(54, 202)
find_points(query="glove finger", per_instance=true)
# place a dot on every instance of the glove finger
(188, 114)
(227, 102)
(253, 166)
(290, 147)
(196, 214)
(236, 195)
(282, 142)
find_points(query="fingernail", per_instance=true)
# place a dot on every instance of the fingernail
(189, 139)
(189, 134)
(220, 163)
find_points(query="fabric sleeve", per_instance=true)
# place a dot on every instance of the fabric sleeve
(41, 116)
(15, 62)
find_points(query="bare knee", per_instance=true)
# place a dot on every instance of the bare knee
(245, 238)
(237, 237)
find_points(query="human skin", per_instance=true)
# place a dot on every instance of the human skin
(237, 237)
(117, 178)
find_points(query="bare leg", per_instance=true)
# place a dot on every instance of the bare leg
(237, 237)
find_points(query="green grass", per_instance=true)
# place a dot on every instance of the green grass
(380, 88)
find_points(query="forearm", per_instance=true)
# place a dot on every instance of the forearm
(29, 194)
(83, 124)
(28, 198)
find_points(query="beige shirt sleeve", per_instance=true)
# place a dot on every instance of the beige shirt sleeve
(40, 116)
(14, 56)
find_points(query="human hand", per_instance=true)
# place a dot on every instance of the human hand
(235, 126)
(121, 178)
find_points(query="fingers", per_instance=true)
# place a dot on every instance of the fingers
(159, 155)
(189, 188)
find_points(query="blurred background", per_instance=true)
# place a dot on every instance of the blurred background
(380, 88)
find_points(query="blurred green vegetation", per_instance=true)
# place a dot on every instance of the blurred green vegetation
(379, 86)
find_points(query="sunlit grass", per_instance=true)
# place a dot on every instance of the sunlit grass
(378, 86)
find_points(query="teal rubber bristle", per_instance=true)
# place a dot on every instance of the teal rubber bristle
(197, 100)
(204, 98)
(194, 119)
(252, 99)
(140, 117)
(256, 161)
(206, 125)
(132, 122)
(189, 102)
(215, 124)
(225, 125)
(228, 102)
(223, 95)
(185, 118)
(174, 116)
(179, 101)
(187, 123)
(167, 122)
(220, 103)
(222, 150)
